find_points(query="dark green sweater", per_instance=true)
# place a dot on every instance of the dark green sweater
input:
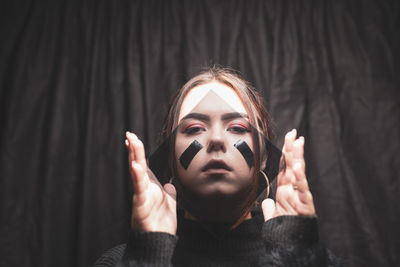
(282, 241)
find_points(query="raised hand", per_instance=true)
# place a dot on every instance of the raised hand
(154, 206)
(293, 196)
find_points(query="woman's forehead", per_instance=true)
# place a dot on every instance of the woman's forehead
(225, 94)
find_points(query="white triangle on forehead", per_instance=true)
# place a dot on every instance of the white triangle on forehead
(196, 94)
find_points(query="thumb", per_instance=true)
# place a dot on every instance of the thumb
(170, 189)
(268, 208)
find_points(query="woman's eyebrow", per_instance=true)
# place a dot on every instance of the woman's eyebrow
(234, 115)
(224, 117)
(198, 116)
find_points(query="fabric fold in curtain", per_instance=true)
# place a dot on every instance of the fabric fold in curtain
(75, 75)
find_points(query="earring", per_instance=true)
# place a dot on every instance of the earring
(171, 180)
(267, 180)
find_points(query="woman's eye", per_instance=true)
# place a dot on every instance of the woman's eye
(193, 130)
(238, 129)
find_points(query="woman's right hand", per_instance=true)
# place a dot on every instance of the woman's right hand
(153, 206)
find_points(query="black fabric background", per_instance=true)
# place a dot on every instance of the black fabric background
(75, 75)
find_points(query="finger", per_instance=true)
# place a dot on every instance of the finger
(289, 138)
(288, 147)
(127, 143)
(268, 208)
(299, 163)
(298, 149)
(140, 179)
(283, 176)
(130, 137)
(138, 149)
(170, 189)
(286, 177)
(301, 184)
(306, 204)
(131, 154)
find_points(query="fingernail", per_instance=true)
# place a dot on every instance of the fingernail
(126, 142)
(299, 141)
(133, 135)
(291, 134)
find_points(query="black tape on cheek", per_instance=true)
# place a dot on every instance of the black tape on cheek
(189, 154)
(246, 152)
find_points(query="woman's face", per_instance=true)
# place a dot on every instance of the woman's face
(214, 116)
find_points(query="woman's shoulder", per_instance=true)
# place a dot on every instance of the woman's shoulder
(111, 256)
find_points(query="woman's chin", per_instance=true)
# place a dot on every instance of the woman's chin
(218, 190)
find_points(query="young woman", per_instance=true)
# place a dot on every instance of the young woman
(217, 127)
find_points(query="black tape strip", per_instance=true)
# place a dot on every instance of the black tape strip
(189, 153)
(275, 162)
(242, 146)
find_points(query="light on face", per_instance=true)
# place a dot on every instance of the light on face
(195, 95)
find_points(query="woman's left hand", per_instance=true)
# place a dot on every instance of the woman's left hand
(293, 196)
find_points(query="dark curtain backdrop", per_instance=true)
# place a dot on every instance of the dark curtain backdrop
(75, 75)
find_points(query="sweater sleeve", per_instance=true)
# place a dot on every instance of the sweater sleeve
(294, 241)
(147, 249)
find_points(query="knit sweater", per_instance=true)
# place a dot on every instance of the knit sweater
(281, 241)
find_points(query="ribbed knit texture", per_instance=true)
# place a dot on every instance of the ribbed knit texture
(197, 246)
(282, 241)
(150, 247)
(111, 257)
(291, 231)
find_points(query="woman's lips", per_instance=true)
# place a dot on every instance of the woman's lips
(216, 167)
(216, 171)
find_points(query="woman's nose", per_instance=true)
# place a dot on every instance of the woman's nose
(216, 141)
